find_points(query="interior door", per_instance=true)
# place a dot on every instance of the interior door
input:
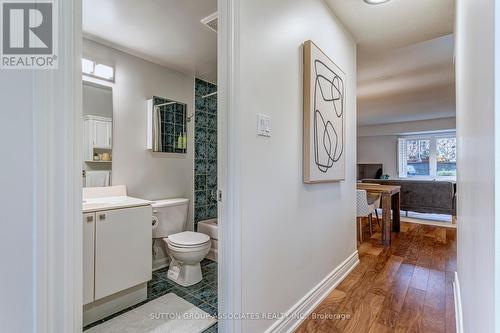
(88, 257)
(123, 249)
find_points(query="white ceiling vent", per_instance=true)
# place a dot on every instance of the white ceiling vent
(210, 21)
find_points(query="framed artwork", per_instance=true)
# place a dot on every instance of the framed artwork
(324, 117)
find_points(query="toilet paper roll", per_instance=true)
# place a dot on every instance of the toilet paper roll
(155, 222)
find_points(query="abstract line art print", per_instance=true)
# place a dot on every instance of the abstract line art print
(324, 117)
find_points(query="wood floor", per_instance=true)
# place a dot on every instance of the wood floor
(404, 288)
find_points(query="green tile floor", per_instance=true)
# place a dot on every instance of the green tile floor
(202, 294)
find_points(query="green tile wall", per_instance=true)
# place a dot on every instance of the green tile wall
(205, 151)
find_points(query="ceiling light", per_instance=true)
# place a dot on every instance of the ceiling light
(375, 2)
(87, 66)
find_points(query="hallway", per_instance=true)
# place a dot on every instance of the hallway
(407, 287)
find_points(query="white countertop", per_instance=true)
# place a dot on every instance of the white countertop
(109, 203)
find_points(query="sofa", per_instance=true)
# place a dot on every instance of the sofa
(424, 196)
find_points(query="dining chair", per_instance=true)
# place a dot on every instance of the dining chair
(375, 200)
(364, 209)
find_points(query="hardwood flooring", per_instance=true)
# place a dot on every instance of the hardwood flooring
(406, 287)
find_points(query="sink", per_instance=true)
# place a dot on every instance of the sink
(113, 200)
(103, 203)
(97, 204)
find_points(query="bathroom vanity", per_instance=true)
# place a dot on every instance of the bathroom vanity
(117, 240)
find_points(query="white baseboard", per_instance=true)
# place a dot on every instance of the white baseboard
(458, 305)
(112, 304)
(309, 302)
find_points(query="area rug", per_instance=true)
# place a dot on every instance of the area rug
(429, 219)
(166, 314)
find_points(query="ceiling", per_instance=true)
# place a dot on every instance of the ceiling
(396, 23)
(416, 82)
(405, 58)
(166, 32)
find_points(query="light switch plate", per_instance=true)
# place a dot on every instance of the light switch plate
(263, 125)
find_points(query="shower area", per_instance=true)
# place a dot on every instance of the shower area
(205, 162)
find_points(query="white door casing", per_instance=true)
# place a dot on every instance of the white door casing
(228, 166)
(57, 197)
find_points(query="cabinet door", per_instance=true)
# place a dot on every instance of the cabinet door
(102, 134)
(88, 257)
(109, 131)
(88, 140)
(123, 249)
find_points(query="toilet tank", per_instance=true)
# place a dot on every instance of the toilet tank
(171, 216)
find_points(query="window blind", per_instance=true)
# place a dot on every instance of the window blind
(402, 167)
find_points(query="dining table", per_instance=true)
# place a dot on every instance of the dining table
(390, 200)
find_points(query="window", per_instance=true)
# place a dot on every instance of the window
(446, 156)
(427, 156)
(418, 153)
(87, 66)
(97, 70)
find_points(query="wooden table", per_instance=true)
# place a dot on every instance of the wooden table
(390, 197)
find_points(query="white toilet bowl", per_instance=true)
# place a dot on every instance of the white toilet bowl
(186, 250)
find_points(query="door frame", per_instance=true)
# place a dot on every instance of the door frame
(230, 295)
(57, 199)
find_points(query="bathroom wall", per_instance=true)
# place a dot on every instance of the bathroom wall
(147, 175)
(205, 150)
(293, 234)
(97, 100)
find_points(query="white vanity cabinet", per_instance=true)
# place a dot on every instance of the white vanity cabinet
(97, 134)
(88, 257)
(117, 242)
(116, 251)
(122, 249)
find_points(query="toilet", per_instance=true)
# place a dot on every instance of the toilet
(186, 249)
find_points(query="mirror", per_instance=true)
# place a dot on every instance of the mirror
(168, 132)
(97, 107)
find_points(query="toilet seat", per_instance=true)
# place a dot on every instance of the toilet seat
(188, 239)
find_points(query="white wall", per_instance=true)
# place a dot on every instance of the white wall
(379, 149)
(293, 234)
(475, 63)
(16, 201)
(97, 100)
(409, 127)
(379, 143)
(147, 175)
